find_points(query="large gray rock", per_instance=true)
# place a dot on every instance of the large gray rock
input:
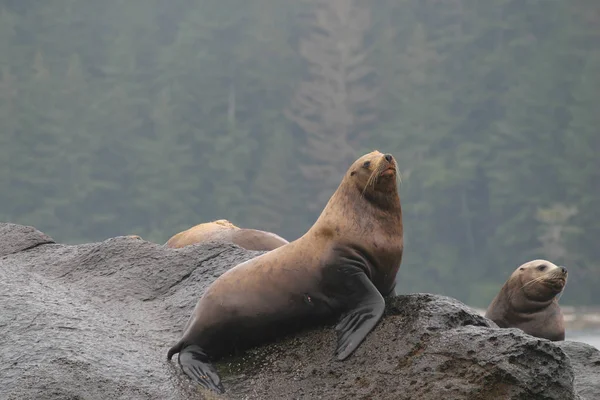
(585, 360)
(94, 321)
(15, 238)
(426, 347)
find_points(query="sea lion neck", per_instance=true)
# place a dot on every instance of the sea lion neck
(346, 201)
(539, 302)
(525, 304)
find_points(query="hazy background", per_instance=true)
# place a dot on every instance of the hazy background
(149, 116)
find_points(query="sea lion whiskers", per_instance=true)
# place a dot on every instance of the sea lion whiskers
(539, 278)
(372, 181)
(381, 166)
(552, 275)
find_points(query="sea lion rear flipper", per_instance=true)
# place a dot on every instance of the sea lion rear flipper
(196, 364)
(362, 316)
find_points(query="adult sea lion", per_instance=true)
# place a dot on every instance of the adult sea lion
(341, 268)
(528, 300)
(224, 231)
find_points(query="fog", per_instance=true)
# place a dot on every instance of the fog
(147, 117)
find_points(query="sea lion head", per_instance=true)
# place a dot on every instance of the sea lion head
(537, 281)
(365, 209)
(374, 176)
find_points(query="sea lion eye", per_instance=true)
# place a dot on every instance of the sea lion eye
(541, 267)
(367, 164)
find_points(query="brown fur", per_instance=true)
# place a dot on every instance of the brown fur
(269, 294)
(528, 300)
(295, 266)
(224, 231)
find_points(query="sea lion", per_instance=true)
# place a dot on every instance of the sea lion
(528, 300)
(341, 268)
(224, 231)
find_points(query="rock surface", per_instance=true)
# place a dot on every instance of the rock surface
(17, 238)
(94, 321)
(586, 366)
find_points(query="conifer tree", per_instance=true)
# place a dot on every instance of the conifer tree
(334, 106)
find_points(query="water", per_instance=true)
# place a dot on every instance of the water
(591, 337)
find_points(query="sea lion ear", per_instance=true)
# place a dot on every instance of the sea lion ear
(352, 173)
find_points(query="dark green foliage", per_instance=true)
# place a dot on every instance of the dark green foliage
(146, 118)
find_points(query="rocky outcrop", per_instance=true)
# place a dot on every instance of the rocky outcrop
(94, 321)
(585, 360)
(426, 347)
(15, 238)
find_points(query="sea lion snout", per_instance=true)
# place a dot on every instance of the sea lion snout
(389, 160)
(563, 270)
(387, 166)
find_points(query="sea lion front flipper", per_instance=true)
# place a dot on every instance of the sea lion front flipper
(196, 364)
(362, 316)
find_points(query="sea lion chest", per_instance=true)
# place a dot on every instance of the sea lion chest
(383, 256)
(547, 323)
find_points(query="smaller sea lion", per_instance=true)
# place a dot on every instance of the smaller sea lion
(224, 231)
(528, 300)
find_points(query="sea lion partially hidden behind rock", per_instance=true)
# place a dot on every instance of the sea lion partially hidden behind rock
(224, 231)
(341, 268)
(528, 300)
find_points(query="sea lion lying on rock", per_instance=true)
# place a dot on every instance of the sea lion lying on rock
(224, 231)
(341, 268)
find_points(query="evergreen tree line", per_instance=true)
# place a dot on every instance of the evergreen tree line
(147, 117)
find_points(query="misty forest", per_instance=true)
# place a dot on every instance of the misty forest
(147, 117)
